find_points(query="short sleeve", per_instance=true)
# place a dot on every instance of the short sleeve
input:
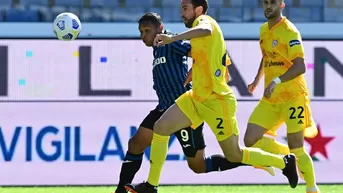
(295, 46)
(182, 47)
(202, 20)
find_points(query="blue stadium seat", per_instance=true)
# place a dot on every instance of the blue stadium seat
(216, 3)
(251, 3)
(156, 10)
(236, 3)
(16, 15)
(96, 3)
(35, 2)
(289, 3)
(339, 3)
(171, 15)
(127, 14)
(1, 16)
(68, 3)
(311, 3)
(5, 2)
(333, 14)
(111, 3)
(300, 14)
(169, 3)
(32, 15)
(140, 3)
(258, 15)
(212, 12)
(92, 15)
(75, 10)
(231, 14)
(56, 10)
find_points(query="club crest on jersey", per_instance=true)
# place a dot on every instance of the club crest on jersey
(294, 42)
(218, 73)
(274, 43)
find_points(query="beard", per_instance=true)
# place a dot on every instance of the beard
(271, 15)
(189, 22)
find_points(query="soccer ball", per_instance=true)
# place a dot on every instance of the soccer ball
(67, 26)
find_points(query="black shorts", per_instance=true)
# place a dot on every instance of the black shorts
(191, 140)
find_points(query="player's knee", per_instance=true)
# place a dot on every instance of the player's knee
(235, 156)
(249, 141)
(197, 168)
(136, 146)
(162, 126)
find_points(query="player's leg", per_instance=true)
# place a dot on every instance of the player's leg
(193, 145)
(171, 121)
(134, 155)
(220, 115)
(264, 119)
(298, 118)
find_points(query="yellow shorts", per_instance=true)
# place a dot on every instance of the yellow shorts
(295, 113)
(219, 112)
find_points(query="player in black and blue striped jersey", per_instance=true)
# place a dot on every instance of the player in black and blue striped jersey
(170, 69)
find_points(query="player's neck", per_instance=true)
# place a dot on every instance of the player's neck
(272, 22)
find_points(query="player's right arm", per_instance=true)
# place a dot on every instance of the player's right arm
(260, 73)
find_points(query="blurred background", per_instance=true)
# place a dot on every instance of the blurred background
(68, 109)
(131, 10)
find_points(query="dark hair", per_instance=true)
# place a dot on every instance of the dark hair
(151, 17)
(203, 3)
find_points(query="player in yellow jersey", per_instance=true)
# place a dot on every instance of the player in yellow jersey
(211, 100)
(286, 98)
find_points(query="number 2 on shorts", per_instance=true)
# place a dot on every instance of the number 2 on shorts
(294, 110)
(220, 123)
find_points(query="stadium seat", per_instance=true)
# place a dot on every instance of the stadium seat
(68, 3)
(316, 3)
(35, 2)
(141, 3)
(251, 3)
(75, 10)
(56, 10)
(169, 3)
(212, 12)
(156, 10)
(1, 16)
(300, 14)
(216, 3)
(258, 15)
(333, 14)
(289, 3)
(127, 14)
(96, 3)
(16, 15)
(231, 14)
(5, 2)
(339, 3)
(32, 15)
(171, 15)
(236, 3)
(111, 3)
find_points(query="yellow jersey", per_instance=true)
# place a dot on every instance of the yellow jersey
(280, 45)
(210, 61)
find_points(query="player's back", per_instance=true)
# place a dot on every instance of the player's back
(280, 45)
(170, 68)
(210, 62)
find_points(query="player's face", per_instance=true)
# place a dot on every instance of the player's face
(148, 33)
(272, 8)
(187, 13)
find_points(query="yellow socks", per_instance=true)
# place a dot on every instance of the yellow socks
(158, 155)
(272, 146)
(305, 165)
(257, 157)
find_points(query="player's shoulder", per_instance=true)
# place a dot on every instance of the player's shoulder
(203, 18)
(264, 27)
(290, 27)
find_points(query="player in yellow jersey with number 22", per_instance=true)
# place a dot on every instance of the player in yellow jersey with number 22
(286, 98)
(211, 99)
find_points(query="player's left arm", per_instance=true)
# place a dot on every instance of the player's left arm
(202, 29)
(296, 56)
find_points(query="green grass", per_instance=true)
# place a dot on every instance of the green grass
(181, 189)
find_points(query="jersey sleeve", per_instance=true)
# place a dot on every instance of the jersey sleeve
(203, 21)
(295, 46)
(181, 48)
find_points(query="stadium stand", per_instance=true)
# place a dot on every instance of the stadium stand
(130, 10)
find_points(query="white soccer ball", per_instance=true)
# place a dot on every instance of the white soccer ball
(67, 26)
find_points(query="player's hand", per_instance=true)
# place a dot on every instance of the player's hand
(269, 90)
(162, 39)
(188, 79)
(252, 86)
